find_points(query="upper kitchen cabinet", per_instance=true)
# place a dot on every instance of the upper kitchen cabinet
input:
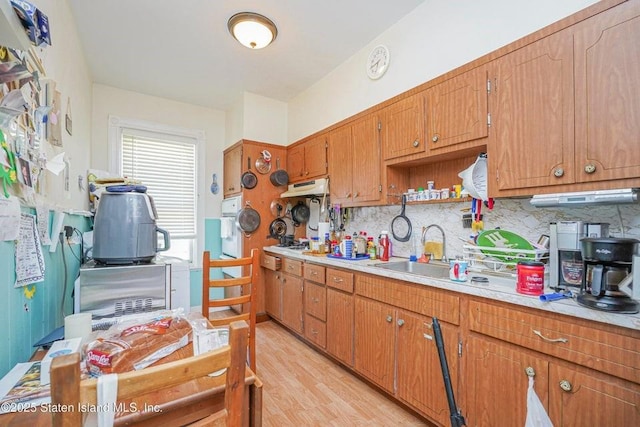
(308, 159)
(402, 127)
(565, 110)
(531, 102)
(232, 170)
(354, 163)
(456, 111)
(607, 94)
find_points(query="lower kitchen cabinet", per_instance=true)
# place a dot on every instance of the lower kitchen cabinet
(340, 325)
(273, 293)
(292, 289)
(419, 380)
(496, 383)
(374, 341)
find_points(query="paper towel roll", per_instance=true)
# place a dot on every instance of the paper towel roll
(77, 325)
(323, 228)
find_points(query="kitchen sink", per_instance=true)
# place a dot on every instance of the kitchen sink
(438, 271)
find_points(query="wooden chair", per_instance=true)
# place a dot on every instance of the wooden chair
(246, 300)
(68, 391)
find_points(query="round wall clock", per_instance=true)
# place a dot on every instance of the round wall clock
(378, 62)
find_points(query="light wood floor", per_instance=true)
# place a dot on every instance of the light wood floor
(303, 388)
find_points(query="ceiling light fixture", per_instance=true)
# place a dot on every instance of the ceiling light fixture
(252, 30)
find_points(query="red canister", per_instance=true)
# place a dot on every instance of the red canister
(530, 278)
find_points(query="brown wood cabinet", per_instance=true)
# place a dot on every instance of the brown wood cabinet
(457, 110)
(232, 171)
(292, 291)
(402, 127)
(273, 293)
(315, 304)
(374, 339)
(564, 110)
(340, 319)
(308, 159)
(354, 163)
(593, 379)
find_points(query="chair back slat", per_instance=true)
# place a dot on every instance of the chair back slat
(246, 284)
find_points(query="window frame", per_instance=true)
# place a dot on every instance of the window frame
(114, 137)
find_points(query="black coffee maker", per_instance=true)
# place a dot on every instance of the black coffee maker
(607, 266)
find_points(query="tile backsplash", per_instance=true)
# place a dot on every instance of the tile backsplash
(515, 215)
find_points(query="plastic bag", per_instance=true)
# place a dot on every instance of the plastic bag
(536, 414)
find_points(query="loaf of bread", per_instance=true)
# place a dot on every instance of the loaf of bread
(137, 346)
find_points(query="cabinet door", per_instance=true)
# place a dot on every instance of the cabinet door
(374, 342)
(273, 293)
(532, 125)
(366, 168)
(315, 300)
(292, 302)
(457, 110)
(340, 325)
(607, 63)
(232, 171)
(340, 165)
(315, 157)
(586, 399)
(496, 384)
(295, 163)
(418, 372)
(403, 127)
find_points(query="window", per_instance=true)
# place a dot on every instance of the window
(165, 160)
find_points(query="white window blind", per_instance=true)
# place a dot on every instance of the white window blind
(166, 165)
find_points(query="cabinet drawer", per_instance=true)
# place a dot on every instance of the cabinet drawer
(581, 342)
(417, 298)
(313, 272)
(339, 279)
(292, 266)
(315, 330)
(315, 300)
(270, 262)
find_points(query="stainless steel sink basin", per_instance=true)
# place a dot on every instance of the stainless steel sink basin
(438, 271)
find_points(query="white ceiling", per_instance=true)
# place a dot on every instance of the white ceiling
(182, 50)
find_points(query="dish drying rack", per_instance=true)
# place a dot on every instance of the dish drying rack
(486, 258)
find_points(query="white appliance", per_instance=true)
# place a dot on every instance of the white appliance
(621, 196)
(230, 234)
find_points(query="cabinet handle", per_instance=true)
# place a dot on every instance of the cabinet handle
(356, 195)
(430, 326)
(400, 322)
(530, 371)
(389, 318)
(558, 172)
(316, 300)
(565, 385)
(314, 332)
(538, 333)
(338, 280)
(314, 273)
(416, 143)
(348, 195)
(434, 138)
(306, 173)
(590, 168)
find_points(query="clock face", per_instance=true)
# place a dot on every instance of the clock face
(378, 62)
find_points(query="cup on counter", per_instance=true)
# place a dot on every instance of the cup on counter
(458, 270)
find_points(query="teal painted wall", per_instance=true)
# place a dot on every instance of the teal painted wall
(25, 321)
(212, 244)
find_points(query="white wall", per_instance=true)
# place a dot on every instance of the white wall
(64, 63)
(436, 37)
(132, 105)
(257, 118)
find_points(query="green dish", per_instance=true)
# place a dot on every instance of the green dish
(505, 240)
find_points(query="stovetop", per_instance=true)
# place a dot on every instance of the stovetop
(296, 245)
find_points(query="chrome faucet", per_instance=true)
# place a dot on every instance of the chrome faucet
(444, 239)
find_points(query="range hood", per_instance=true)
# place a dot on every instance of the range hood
(601, 197)
(317, 187)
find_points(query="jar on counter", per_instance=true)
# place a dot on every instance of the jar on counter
(530, 279)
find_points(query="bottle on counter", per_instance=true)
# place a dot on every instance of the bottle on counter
(327, 243)
(384, 251)
(371, 248)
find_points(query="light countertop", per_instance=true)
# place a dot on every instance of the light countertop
(500, 288)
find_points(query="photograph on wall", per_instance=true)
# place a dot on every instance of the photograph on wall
(53, 120)
(25, 172)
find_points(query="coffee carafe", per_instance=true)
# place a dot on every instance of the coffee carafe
(607, 274)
